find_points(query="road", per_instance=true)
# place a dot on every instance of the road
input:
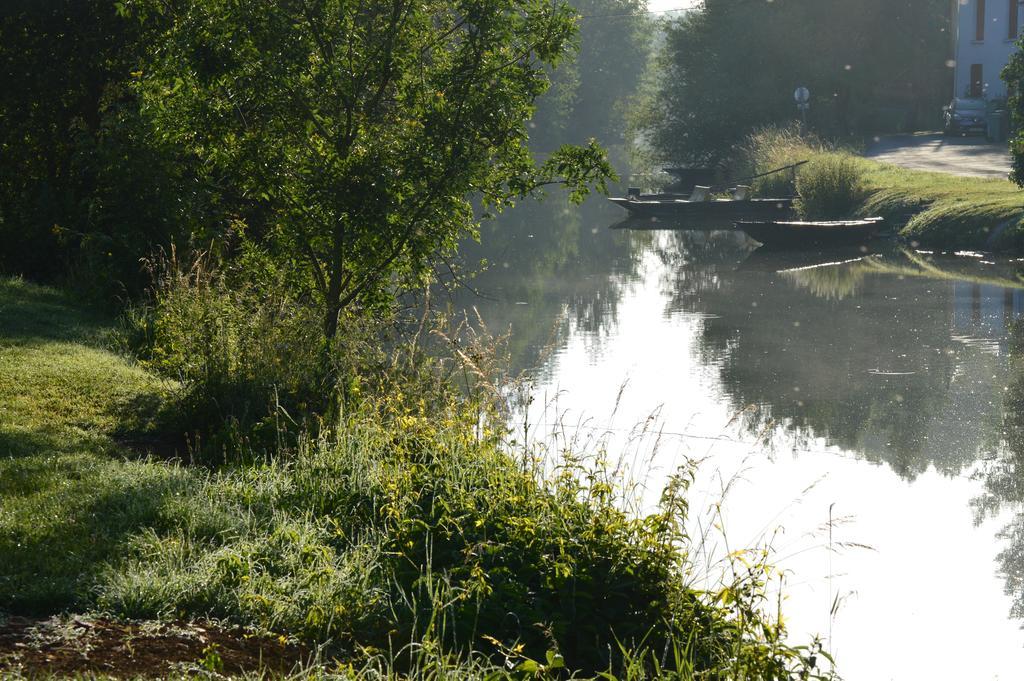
(955, 155)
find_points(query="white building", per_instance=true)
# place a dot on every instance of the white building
(985, 36)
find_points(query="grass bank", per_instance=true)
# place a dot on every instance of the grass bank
(401, 540)
(934, 210)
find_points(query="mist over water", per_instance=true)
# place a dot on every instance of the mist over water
(853, 412)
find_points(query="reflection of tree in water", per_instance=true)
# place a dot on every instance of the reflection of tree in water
(1004, 478)
(551, 270)
(693, 262)
(865, 361)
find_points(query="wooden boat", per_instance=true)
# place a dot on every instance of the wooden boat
(811, 234)
(699, 208)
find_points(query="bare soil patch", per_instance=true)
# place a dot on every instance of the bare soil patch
(64, 646)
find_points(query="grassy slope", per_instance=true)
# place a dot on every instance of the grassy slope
(66, 500)
(936, 210)
(946, 211)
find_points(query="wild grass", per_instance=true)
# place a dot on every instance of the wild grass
(934, 210)
(401, 538)
(830, 187)
(948, 212)
(245, 354)
(65, 499)
(771, 148)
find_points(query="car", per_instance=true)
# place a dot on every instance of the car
(964, 115)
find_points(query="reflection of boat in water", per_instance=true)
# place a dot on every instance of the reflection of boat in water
(677, 223)
(774, 233)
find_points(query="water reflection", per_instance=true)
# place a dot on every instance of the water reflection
(913, 362)
(1003, 473)
(878, 372)
(547, 271)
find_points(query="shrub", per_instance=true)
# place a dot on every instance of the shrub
(254, 370)
(770, 148)
(830, 187)
(248, 355)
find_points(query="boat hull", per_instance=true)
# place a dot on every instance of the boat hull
(785, 234)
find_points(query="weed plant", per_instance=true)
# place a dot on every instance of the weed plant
(771, 148)
(248, 356)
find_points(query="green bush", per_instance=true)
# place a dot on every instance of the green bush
(830, 187)
(247, 354)
(254, 370)
(770, 148)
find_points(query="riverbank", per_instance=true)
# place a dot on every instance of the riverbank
(929, 209)
(946, 212)
(404, 540)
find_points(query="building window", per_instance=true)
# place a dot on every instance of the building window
(977, 81)
(1014, 19)
(979, 28)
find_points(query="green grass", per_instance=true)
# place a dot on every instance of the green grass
(402, 536)
(934, 210)
(945, 211)
(66, 500)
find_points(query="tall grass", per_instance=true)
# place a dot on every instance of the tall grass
(830, 186)
(249, 356)
(380, 535)
(770, 148)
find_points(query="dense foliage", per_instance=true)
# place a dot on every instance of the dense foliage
(591, 95)
(348, 155)
(1013, 74)
(341, 156)
(83, 188)
(729, 67)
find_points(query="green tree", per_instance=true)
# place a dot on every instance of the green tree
(1013, 74)
(86, 189)
(732, 65)
(350, 136)
(591, 94)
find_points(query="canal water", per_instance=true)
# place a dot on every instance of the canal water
(859, 415)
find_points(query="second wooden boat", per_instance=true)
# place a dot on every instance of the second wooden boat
(810, 234)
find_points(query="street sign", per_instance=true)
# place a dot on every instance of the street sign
(803, 102)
